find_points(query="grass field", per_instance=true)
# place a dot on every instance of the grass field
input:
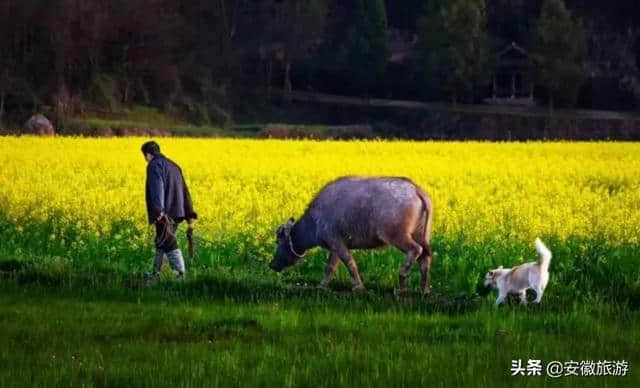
(141, 117)
(74, 310)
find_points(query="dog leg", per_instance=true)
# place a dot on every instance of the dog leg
(500, 299)
(539, 291)
(523, 297)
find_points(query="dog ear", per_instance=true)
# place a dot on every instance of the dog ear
(500, 267)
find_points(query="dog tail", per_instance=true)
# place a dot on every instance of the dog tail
(545, 254)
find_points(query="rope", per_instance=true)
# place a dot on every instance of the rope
(299, 256)
(167, 233)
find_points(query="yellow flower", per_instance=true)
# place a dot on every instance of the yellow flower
(515, 191)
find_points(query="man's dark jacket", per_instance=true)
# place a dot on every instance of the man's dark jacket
(167, 191)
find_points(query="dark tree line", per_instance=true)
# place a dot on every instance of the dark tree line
(201, 58)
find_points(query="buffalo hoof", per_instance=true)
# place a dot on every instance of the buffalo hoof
(323, 287)
(400, 291)
(358, 288)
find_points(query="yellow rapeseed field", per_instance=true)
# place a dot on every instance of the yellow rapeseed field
(513, 191)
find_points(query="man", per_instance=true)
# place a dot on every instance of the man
(168, 204)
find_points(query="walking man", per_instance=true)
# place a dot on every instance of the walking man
(168, 204)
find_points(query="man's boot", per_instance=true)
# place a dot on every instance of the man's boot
(177, 262)
(157, 265)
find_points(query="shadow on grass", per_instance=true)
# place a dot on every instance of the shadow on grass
(112, 285)
(255, 287)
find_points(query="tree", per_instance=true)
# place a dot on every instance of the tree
(404, 14)
(367, 43)
(210, 54)
(512, 21)
(5, 84)
(559, 51)
(453, 45)
(6, 59)
(301, 23)
(19, 47)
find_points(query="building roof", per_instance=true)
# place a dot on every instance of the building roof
(513, 55)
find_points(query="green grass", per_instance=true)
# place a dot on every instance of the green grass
(76, 314)
(174, 128)
(147, 117)
(223, 330)
(98, 122)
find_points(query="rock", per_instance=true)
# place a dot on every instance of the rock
(39, 125)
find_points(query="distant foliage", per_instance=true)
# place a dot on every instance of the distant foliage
(453, 44)
(59, 54)
(104, 91)
(300, 24)
(559, 52)
(367, 43)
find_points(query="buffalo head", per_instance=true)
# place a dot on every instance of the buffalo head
(284, 255)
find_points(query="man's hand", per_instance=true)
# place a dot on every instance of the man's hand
(160, 217)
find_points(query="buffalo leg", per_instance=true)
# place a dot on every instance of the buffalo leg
(413, 250)
(345, 255)
(330, 269)
(355, 274)
(347, 259)
(425, 269)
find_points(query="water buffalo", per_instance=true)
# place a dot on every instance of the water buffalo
(361, 213)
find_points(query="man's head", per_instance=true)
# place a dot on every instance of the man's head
(150, 150)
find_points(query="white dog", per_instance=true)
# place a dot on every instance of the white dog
(517, 280)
